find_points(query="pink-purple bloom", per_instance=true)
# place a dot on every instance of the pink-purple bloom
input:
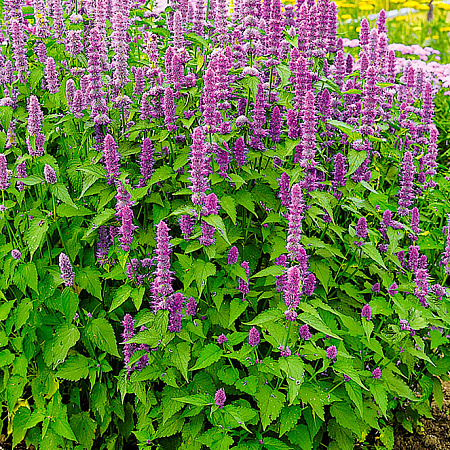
(366, 312)
(253, 337)
(67, 273)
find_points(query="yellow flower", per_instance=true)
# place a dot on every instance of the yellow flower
(401, 18)
(443, 6)
(346, 16)
(423, 7)
(365, 7)
(410, 4)
(445, 29)
(436, 37)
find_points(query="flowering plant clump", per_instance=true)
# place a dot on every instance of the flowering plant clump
(218, 229)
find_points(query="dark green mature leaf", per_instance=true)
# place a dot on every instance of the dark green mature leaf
(217, 222)
(355, 394)
(290, 415)
(121, 295)
(35, 234)
(14, 390)
(229, 206)
(101, 333)
(318, 324)
(84, 428)
(271, 443)
(19, 422)
(203, 270)
(355, 160)
(209, 354)
(89, 278)
(270, 403)
(272, 270)
(26, 275)
(74, 368)
(180, 357)
(371, 251)
(56, 348)
(60, 191)
(269, 315)
(237, 307)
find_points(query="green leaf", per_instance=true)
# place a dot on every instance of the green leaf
(180, 357)
(237, 307)
(269, 315)
(35, 234)
(397, 386)
(6, 358)
(160, 174)
(290, 415)
(98, 220)
(229, 206)
(217, 222)
(69, 303)
(355, 159)
(387, 437)
(318, 324)
(121, 295)
(84, 428)
(345, 416)
(271, 443)
(14, 390)
(371, 251)
(89, 278)
(272, 270)
(101, 333)
(379, 394)
(5, 309)
(355, 394)
(65, 210)
(74, 368)
(27, 274)
(269, 403)
(203, 270)
(294, 369)
(323, 273)
(56, 348)
(196, 399)
(209, 354)
(60, 191)
(19, 423)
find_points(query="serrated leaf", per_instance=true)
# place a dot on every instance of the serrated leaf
(272, 270)
(84, 428)
(237, 307)
(121, 295)
(203, 270)
(89, 278)
(355, 159)
(267, 316)
(355, 394)
(269, 403)
(60, 191)
(372, 252)
(196, 399)
(180, 357)
(217, 222)
(28, 274)
(271, 443)
(74, 368)
(318, 324)
(14, 390)
(229, 206)
(98, 220)
(35, 234)
(56, 349)
(209, 354)
(101, 333)
(290, 415)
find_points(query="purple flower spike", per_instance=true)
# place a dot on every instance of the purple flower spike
(332, 352)
(361, 228)
(111, 158)
(377, 374)
(220, 398)
(240, 152)
(376, 287)
(304, 332)
(366, 312)
(199, 167)
(233, 255)
(67, 273)
(186, 226)
(243, 286)
(146, 162)
(406, 194)
(191, 307)
(49, 174)
(222, 339)
(162, 283)
(284, 195)
(16, 254)
(293, 290)
(393, 289)
(253, 337)
(296, 210)
(4, 174)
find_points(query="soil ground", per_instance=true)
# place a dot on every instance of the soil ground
(436, 432)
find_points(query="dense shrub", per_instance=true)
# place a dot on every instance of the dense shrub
(258, 220)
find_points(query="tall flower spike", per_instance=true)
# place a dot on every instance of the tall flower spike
(445, 258)
(49, 174)
(51, 76)
(127, 228)
(406, 193)
(162, 284)
(233, 255)
(67, 273)
(111, 159)
(296, 210)
(146, 161)
(169, 109)
(4, 174)
(240, 152)
(128, 333)
(253, 337)
(186, 226)
(284, 195)
(199, 167)
(243, 286)
(292, 292)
